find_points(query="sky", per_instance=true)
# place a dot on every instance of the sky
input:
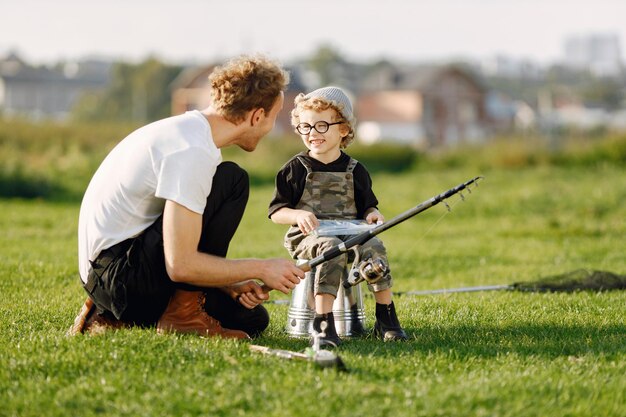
(183, 31)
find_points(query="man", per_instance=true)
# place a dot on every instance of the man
(158, 216)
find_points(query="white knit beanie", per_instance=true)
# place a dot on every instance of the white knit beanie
(336, 96)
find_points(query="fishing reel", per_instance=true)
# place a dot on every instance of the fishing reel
(370, 270)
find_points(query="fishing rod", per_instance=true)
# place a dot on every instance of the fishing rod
(363, 237)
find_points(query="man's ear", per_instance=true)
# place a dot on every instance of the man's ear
(257, 116)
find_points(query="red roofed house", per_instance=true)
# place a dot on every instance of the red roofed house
(427, 106)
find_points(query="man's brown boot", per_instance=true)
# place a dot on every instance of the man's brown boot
(185, 314)
(91, 322)
(79, 322)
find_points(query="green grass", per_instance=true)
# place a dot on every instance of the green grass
(470, 354)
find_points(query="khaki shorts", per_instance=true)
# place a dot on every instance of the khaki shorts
(330, 274)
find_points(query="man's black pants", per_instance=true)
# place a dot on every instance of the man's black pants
(130, 281)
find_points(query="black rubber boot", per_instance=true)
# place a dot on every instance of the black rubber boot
(331, 339)
(387, 325)
(357, 328)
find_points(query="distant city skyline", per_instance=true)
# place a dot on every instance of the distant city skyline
(362, 30)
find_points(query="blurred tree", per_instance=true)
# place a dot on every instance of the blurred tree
(137, 93)
(326, 61)
(607, 93)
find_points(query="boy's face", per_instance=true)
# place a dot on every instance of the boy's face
(325, 146)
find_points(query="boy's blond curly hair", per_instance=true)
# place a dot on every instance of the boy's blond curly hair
(320, 104)
(246, 83)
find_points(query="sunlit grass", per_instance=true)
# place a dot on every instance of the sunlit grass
(482, 354)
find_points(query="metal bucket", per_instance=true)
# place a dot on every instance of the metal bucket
(302, 308)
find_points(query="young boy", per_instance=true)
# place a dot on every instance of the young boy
(326, 183)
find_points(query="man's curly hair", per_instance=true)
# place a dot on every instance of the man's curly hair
(319, 105)
(246, 83)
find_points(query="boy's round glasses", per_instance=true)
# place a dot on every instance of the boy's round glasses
(320, 127)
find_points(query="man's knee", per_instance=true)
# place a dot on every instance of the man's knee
(230, 189)
(232, 173)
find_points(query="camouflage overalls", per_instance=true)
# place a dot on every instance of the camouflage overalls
(330, 196)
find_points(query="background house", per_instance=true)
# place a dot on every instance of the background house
(190, 89)
(42, 92)
(507, 114)
(426, 106)
(390, 115)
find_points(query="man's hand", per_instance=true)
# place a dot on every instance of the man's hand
(280, 274)
(249, 294)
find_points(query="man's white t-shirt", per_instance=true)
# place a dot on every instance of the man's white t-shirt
(171, 159)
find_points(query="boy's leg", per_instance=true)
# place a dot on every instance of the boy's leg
(329, 274)
(374, 248)
(328, 277)
(387, 326)
(324, 302)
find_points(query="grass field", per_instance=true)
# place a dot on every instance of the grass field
(470, 354)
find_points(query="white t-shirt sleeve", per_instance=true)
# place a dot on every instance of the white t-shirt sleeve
(186, 177)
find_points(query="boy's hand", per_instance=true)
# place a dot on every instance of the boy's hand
(374, 216)
(306, 221)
